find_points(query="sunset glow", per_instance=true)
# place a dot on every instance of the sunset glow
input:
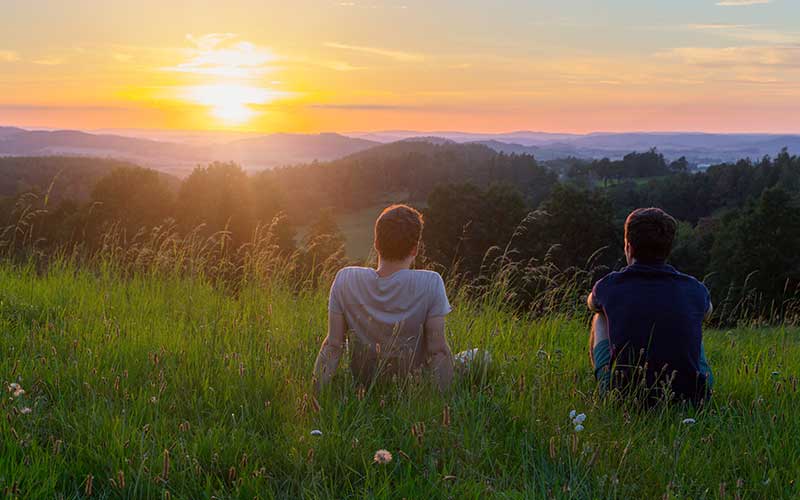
(230, 104)
(574, 66)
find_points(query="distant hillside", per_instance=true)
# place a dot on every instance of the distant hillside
(185, 150)
(401, 171)
(509, 148)
(71, 177)
(44, 142)
(8, 131)
(697, 147)
(283, 149)
(252, 153)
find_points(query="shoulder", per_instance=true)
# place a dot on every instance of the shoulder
(690, 280)
(430, 277)
(352, 273)
(608, 280)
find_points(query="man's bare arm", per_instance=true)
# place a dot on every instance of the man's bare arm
(441, 358)
(591, 305)
(331, 351)
(709, 312)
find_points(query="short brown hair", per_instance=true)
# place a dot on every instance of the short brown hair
(397, 232)
(650, 232)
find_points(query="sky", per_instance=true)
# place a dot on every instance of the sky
(362, 65)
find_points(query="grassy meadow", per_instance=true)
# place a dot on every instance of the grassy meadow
(166, 387)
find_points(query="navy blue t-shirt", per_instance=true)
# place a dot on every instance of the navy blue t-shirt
(655, 320)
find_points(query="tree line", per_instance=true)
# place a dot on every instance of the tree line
(739, 223)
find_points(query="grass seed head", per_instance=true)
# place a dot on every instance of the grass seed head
(165, 466)
(89, 485)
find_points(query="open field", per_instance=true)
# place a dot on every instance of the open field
(154, 387)
(357, 225)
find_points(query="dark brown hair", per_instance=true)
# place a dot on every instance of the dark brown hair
(650, 232)
(397, 232)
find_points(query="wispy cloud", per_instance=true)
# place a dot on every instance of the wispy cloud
(748, 32)
(49, 61)
(359, 107)
(741, 3)
(8, 56)
(339, 66)
(221, 54)
(788, 57)
(371, 5)
(718, 26)
(391, 54)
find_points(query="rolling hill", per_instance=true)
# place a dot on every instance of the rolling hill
(253, 153)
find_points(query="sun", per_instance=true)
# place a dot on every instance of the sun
(231, 104)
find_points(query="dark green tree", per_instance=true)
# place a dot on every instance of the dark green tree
(133, 197)
(462, 222)
(323, 245)
(756, 248)
(220, 197)
(570, 227)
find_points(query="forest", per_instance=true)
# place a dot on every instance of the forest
(739, 223)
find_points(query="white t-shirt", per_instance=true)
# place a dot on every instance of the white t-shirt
(386, 317)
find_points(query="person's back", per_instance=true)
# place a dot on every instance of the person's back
(651, 316)
(394, 316)
(386, 317)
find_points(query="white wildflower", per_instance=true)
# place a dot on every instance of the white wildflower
(316, 433)
(19, 392)
(25, 410)
(471, 356)
(382, 457)
(579, 428)
(689, 421)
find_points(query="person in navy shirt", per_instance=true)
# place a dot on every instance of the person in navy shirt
(648, 322)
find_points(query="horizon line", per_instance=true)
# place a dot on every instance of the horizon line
(112, 130)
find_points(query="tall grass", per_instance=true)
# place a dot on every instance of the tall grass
(170, 365)
(118, 371)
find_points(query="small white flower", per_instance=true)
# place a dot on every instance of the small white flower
(382, 457)
(154, 400)
(775, 374)
(572, 414)
(19, 392)
(579, 419)
(472, 356)
(25, 410)
(689, 421)
(13, 387)
(316, 433)
(579, 428)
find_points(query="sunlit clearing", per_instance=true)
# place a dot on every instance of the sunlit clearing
(231, 104)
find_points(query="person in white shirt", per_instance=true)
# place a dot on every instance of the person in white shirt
(394, 316)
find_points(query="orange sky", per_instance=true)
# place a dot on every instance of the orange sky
(477, 65)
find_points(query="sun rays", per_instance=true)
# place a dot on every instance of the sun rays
(229, 76)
